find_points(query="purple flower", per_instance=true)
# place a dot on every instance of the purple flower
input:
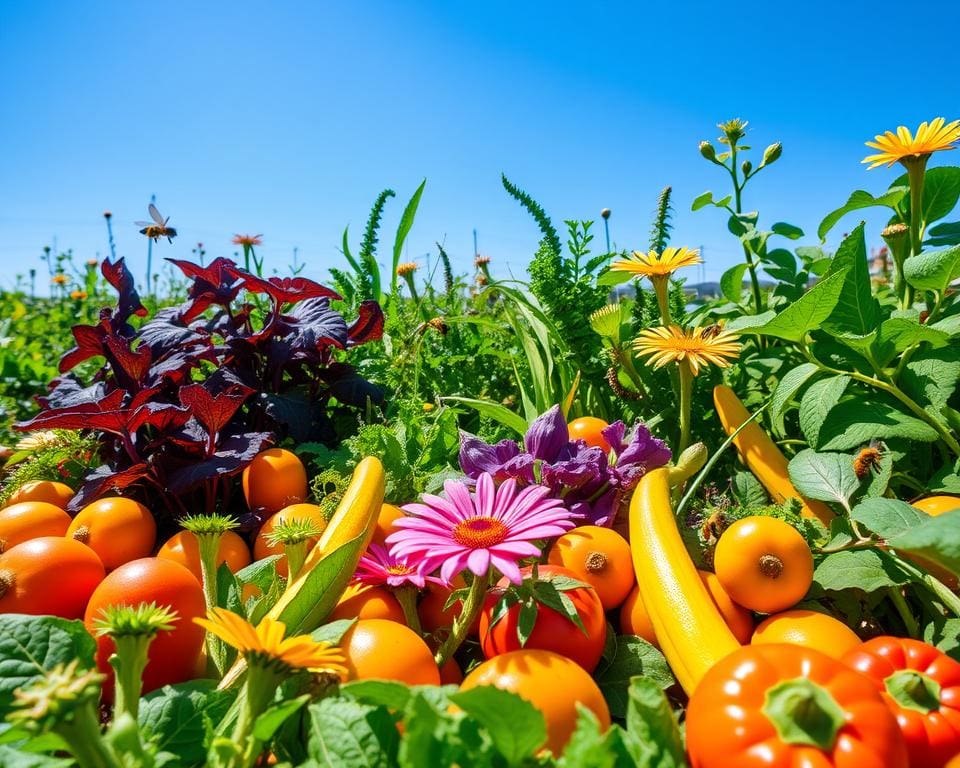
(547, 435)
(642, 447)
(477, 456)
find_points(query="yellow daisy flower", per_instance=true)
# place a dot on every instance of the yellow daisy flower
(655, 265)
(266, 642)
(697, 347)
(406, 268)
(903, 146)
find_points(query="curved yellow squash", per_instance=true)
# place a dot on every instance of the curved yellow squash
(761, 454)
(690, 629)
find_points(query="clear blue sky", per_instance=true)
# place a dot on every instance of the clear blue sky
(288, 118)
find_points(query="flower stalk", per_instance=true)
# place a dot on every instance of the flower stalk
(472, 606)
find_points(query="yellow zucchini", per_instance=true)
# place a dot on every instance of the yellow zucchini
(689, 627)
(762, 456)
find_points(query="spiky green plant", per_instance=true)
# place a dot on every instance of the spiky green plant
(660, 232)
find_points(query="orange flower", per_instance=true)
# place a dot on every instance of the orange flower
(247, 241)
(60, 279)
(78, 295)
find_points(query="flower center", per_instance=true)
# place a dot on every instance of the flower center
(399, 570)
(479, 532)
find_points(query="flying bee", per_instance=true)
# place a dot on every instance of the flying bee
(711, 331)
(158, 228)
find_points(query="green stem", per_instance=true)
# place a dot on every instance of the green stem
(915, 173)
(751, 266)
(943, 593)
(296, 553)
(82, 736)
(261, 685)
(661, 289)
(209, 547)
(627, 363)
(461, 624)
(407, 597)
(900, 603)
(686, 404)
(128, 662)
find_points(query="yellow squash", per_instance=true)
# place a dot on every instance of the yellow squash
(689, 627)
(761, 454)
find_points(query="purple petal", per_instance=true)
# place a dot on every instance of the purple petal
(519, 468)
(477, 456)
(645, 449)
(614, 434)
(547, 435)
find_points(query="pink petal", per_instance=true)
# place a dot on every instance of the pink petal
(508, 568)
(478, 561)
(486, 495)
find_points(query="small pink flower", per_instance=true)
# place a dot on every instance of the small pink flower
(379, 566)
(494, 527)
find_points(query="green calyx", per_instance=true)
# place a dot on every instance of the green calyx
(914, 690)
(804, 713)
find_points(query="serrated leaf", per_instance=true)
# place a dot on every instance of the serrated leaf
(633, 656)
(817, 402)
(936, 539)
(652, 725)
(789, 384)
(386, 693)
(174, 717)
(864, 569)
(857, 311)
(516, 727)
(856, 422)
(343, 732)
(824, 476)
(887, 517)
(897, 334)
(931, 377)
(933, 270)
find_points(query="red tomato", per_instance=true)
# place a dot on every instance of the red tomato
(173, 654)
(921, 685)
(553, 631)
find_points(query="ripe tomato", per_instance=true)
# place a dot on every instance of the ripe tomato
(183, 548)
(384, 527)
(634, 619)
(433, 618)
(118, 530)
(173, 654)
(378, 648)
(30, 520)
(450, 673)
(810, 629)
(601, 558)
(785, 705)
(764, 564)
(49, 491)
(364, 601)
(555, 685)
(273, 480)
(921, 685)
(588, 429)
(552, 631)
(262, 548)
(49, 575)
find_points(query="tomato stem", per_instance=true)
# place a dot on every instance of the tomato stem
(914, 690)
(804, 713)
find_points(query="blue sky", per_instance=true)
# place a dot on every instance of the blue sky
(288, 118)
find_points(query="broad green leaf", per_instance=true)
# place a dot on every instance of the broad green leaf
(433, 737)
(174, 717)
(824, 476)
(943, 234)
(858, 200)
(517, 728)
(633, 656)
(276, 715)
(936, 539)
(652, 725)
(887, 517)
(731, 282)
(941, 190)
(342, 732)
(15, 758)
(746, 323)
(944, 634)
(949, 325)
(857, 311)
(784, 265)
(747, 490)
(333, 632)
(817, 402)
(931, 377)
(897, 334)
(30, 646)
(705, 199)
(789, 384)
(494, 411)
(933, 270)
(865, 569)
(611, 277)
(807, 313)
(857, 421)
(403, 229)
(386, 693)
(787, 230)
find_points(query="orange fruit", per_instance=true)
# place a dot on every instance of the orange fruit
(599, 557)
(552, 683)
(173, 654)
(764, 564)
(365, 601)
(937, 505)
(262, 548)
(634, 619)
(50, 491)
(379, 648)
(49, 575)
(738, 618)
(588, 428)
(433, 617)
(450, 673)
(30, 520)
(118, 530)
(183, 548)
(273, 480)
(384, 527)
(810, 629)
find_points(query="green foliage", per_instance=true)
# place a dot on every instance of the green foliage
(551, 240)
(60, 455)
(660, 233)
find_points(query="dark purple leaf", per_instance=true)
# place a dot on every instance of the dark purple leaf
(166, 331)
(102, 480)
(134, 363)
(368, 326)
(212, 284)
(299, 417)
(547, 435)
(163, 417)
(234, 454)
(106, 415)
(213, 411)
(313, 325)
(67, 391)
(284, 290)
(349, 387)
(128, 302)
(90, 343)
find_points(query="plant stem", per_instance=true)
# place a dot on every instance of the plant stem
(82, 736)
(909, 620)
(915, 172)
(407, 597)
(660, 289)
(296, 555)
(209, 546)
(686, 404)
(128, 662)
(751, 266)
(260, 687)
(461, 624)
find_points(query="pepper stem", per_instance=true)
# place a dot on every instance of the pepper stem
(914, 690)
(804, 713)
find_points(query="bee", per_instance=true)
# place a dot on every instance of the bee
(868, 459)
(713, 526)
(711, 331)
(158, 228)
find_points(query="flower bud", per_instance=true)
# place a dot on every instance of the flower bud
(746, 167)
(772, 153)
(605, 213)
(707, 150)
(688, 464)
(894, 233)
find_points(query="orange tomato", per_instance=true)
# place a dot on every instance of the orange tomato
(634, 619)
(262, 548)
(50, 491)
(49, 575)
(811, 629)
(118, 530)
(599, 557)
(433, 617)
(365, 601)
(738, 618)
(937, 505)
(173, 654)
(378, 648)
(273, 480)
(183, 548)
(954, 762)
(588, 429)
(552, 683)
(384, 527)
(764, 564)
(30, 520)
(450, 673)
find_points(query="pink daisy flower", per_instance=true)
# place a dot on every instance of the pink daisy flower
(494, 527)
(379, 566)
